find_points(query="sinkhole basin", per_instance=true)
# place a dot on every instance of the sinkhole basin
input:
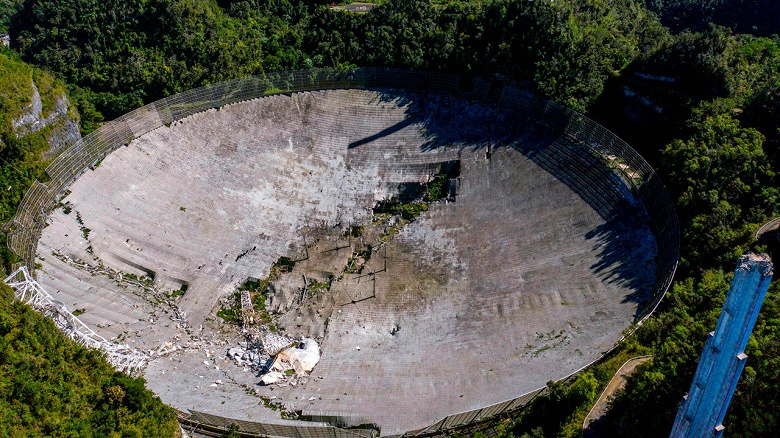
(449, 255)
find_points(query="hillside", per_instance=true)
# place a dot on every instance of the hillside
(50, 385)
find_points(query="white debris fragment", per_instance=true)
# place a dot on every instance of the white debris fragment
(236, 353)
(272, 377)
(302, 358)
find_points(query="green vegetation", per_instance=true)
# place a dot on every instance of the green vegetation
(258, 292)
(315, 286)
(144, 279)
(702, 105)
(407, 210)
(53, 387)
(436, 189)
(410, 205)
(7, 9)
(84, 230)
(232, 313)
(178, 293)
(21, 157)
(125, 53)
(356, 261)
(16, 92)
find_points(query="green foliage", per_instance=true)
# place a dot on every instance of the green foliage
(230, 314)
(53, 387)
(552, 410)
(90, 116)
(315, 286)
(568, 49)
(127, 53)
(677, 337)
(7, 10)
(258, 291)
(562, 410)
(178, 293)
(590, 42)
(15, 91)
(233, 431)
(410, 210)
(132, 52)
(20, 157)
(724, 185)
(436, 189)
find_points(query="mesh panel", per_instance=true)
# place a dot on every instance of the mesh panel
(459, 419)
(492, 411)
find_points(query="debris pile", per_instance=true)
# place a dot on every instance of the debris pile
(246, 355)
(290, 366)
(300, 358)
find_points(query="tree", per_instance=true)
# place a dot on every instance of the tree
(723, 183)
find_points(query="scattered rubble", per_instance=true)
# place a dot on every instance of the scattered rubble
(154, 296)
(248, 356)
(290, 366)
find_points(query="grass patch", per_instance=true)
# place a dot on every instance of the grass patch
(178, 293)
(315, 286)
(84, 230)
(408, 211)
(437, 188)
(230, 315)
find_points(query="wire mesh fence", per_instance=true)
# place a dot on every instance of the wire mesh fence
(195, 420)
(587, 157)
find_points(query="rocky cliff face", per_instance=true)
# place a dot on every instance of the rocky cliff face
(64, 122)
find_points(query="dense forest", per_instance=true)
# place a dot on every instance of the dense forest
(50, 386)
(694, 85)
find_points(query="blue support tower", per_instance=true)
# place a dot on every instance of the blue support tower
(704, 407)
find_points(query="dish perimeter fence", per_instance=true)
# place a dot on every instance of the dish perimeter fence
(580, 146)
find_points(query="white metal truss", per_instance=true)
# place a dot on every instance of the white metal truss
(271, 342)
(27, 290)
(247, 309)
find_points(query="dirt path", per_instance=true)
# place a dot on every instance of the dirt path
(591, 426)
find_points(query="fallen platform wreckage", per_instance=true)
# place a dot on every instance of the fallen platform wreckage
(28, 291)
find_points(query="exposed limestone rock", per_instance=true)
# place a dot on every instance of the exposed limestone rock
(65, 129)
